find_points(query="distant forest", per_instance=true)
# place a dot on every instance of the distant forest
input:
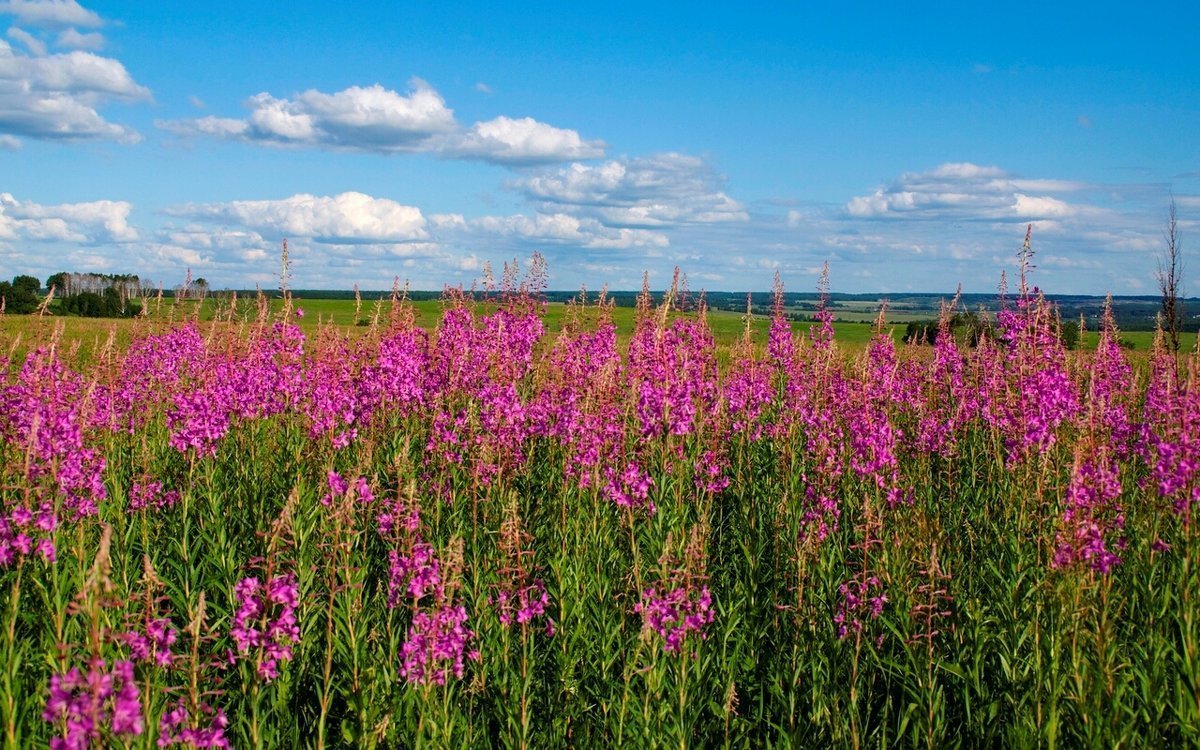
(120, 295)
(1132, 313)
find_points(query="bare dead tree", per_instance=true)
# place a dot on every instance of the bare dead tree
(1170, 279)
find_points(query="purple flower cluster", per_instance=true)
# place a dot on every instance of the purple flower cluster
(1170, 432)
(334, 403)
(438, 637)
(44, 413)
(748, 394)
(400, 372)
(149, 494)
(630, 487)
(437, 645)
(1110, 386)
(24, 531)
(781, 348)
(673, 372)
(863, 599)
(948, 399)
(178, 727)
(413, 576)
(709, 472)
(1092, 517)
(578, 405)
(96, 708)
(1042, 396)
(265, 626)
(151, 369)
(674, 613)
(154, 645)
(523, 605)
(339, 487)
(262, 377)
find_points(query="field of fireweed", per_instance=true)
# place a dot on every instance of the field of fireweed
(229, 534)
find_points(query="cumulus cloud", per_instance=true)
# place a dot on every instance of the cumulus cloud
(102, 221)
(55, 97)
(345, 218)
(965, 222)
(380, 120)
(563, 229)
(72, 73)
(72, 38)
(32, 43)
(664, 190)
(522, 141)
(51, 13)
(967, 192)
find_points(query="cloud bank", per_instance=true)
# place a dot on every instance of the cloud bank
(379, 120)
(57, 96)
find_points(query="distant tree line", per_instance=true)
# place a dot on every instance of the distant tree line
(21, 294)
(98, 295)
(966, 327)
(969, 328)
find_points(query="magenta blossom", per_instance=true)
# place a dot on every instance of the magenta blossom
(437, 646)
(94, 708)
(265, 626)
(674, 614)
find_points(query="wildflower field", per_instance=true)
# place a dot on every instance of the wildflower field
(245, 533)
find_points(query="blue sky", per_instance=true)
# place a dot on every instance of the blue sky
(906, 146)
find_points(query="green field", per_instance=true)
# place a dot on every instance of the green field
(90, 334)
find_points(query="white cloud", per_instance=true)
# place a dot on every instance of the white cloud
(217, 127)
(74, 39)
(523, 141)
(8, 143)
(368, 118)
(1059, 261)
(562, 229)
(1029, 207)
(32, 43)
(71, 72)
(102, 221)
(345, 218)
(55, 97)
(51, 13)
(380, 120)
(967, 192)
(174, 255)
(664, 190)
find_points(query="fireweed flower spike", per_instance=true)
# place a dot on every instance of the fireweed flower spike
(438, 641)
(862, 600)
(154, 645)
(675, 613)
(178, 727)
(437, 645)
(95, 707)
(265, 626)
(520, 598)
(680, 605)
